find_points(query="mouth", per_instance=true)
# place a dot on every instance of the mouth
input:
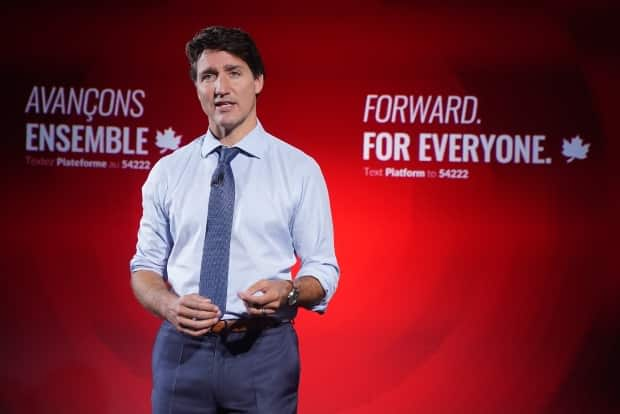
(224, 105)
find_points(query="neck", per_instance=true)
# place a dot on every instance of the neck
(231, 136)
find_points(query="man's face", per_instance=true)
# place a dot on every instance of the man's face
(227, 91)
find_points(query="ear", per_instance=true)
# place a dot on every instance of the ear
(258, 84)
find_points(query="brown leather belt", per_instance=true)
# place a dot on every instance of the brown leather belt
(247, 324)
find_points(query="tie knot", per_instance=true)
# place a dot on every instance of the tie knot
(227, 154)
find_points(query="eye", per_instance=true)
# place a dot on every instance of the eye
(235, 74)
(208, 77)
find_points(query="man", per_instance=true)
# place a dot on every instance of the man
(224, 220)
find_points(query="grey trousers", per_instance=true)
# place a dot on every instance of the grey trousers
(235, 372)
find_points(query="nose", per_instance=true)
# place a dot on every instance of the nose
(221, 86)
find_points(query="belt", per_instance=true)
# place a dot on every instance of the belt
(246, 324)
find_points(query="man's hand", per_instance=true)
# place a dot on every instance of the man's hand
(266, 296)
(192, 314)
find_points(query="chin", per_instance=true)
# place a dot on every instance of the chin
(228, 125)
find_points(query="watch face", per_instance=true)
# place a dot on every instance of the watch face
(292, 297)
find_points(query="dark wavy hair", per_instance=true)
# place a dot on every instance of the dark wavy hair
(232, 40)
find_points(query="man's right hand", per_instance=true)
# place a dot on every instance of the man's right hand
(192, 314)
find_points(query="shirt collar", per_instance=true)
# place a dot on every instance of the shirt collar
(253, 144)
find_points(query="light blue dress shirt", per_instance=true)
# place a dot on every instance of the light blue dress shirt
(281, 212)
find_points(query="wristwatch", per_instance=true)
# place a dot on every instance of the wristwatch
(293, 295)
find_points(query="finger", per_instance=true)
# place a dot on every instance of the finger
(197, 325)
(199, 303)
(193, 298)
(266, 312)
(261, 312)
(260, 286)
(202, 315)
(194, 314)
(268, 309)
(268, 296)
(194, 301)
(191, 309)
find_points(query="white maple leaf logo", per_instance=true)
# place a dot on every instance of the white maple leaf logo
(575, 148)
(167, 140)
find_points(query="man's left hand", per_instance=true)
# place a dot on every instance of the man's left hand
(266, 296)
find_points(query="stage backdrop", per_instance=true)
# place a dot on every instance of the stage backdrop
(469, 152)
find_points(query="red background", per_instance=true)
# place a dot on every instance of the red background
(497, 294)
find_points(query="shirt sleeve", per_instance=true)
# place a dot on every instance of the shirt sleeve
(154, 239)
(313, 235)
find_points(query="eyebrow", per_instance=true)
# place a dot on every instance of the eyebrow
(227, 68)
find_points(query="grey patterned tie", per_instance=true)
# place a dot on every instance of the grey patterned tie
(216, 250)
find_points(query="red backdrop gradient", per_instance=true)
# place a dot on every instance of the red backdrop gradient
(496, 294)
